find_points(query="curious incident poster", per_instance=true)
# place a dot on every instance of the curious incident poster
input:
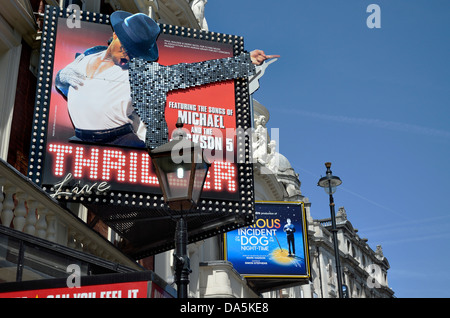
(274, 246)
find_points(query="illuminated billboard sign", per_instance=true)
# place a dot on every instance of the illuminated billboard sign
(116, 180)
(275, 246)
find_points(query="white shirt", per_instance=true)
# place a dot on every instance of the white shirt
(103, 102)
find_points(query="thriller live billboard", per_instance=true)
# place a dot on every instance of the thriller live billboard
(117, 182)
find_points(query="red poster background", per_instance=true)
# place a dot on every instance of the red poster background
(119, 290)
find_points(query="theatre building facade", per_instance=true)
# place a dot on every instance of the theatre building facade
(113, 244)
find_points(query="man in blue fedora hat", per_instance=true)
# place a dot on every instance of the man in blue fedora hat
(97, 83)
(137, 33)
(97, 86)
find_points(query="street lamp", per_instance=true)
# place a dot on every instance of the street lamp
(329, 184)
(181, 170)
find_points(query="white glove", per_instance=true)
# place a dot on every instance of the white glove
(71, 77)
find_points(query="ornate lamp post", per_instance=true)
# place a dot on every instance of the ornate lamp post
(329, 184)
(181, 170)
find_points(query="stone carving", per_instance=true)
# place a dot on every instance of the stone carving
(198, 8)
(265, 153)
(259, 140)
(341, 214)
(379, 252)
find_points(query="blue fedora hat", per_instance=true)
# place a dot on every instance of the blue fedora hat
(137, 33)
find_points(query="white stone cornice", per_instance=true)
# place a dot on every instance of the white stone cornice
(9, 37)
(177, 12)
(20, 17)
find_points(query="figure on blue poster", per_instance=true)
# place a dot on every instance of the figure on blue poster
(289, 229)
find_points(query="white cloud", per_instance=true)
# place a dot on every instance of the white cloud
(377, 123)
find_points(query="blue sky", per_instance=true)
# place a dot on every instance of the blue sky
(375, 103)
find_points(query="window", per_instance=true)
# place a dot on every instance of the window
(9, 258)
(40, 263)
(27, 258)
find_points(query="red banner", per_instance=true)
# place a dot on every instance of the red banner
(143, 289)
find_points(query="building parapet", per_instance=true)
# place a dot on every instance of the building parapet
(26, 208)
(218, 279)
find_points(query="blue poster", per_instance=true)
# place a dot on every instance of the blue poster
(274, 246)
